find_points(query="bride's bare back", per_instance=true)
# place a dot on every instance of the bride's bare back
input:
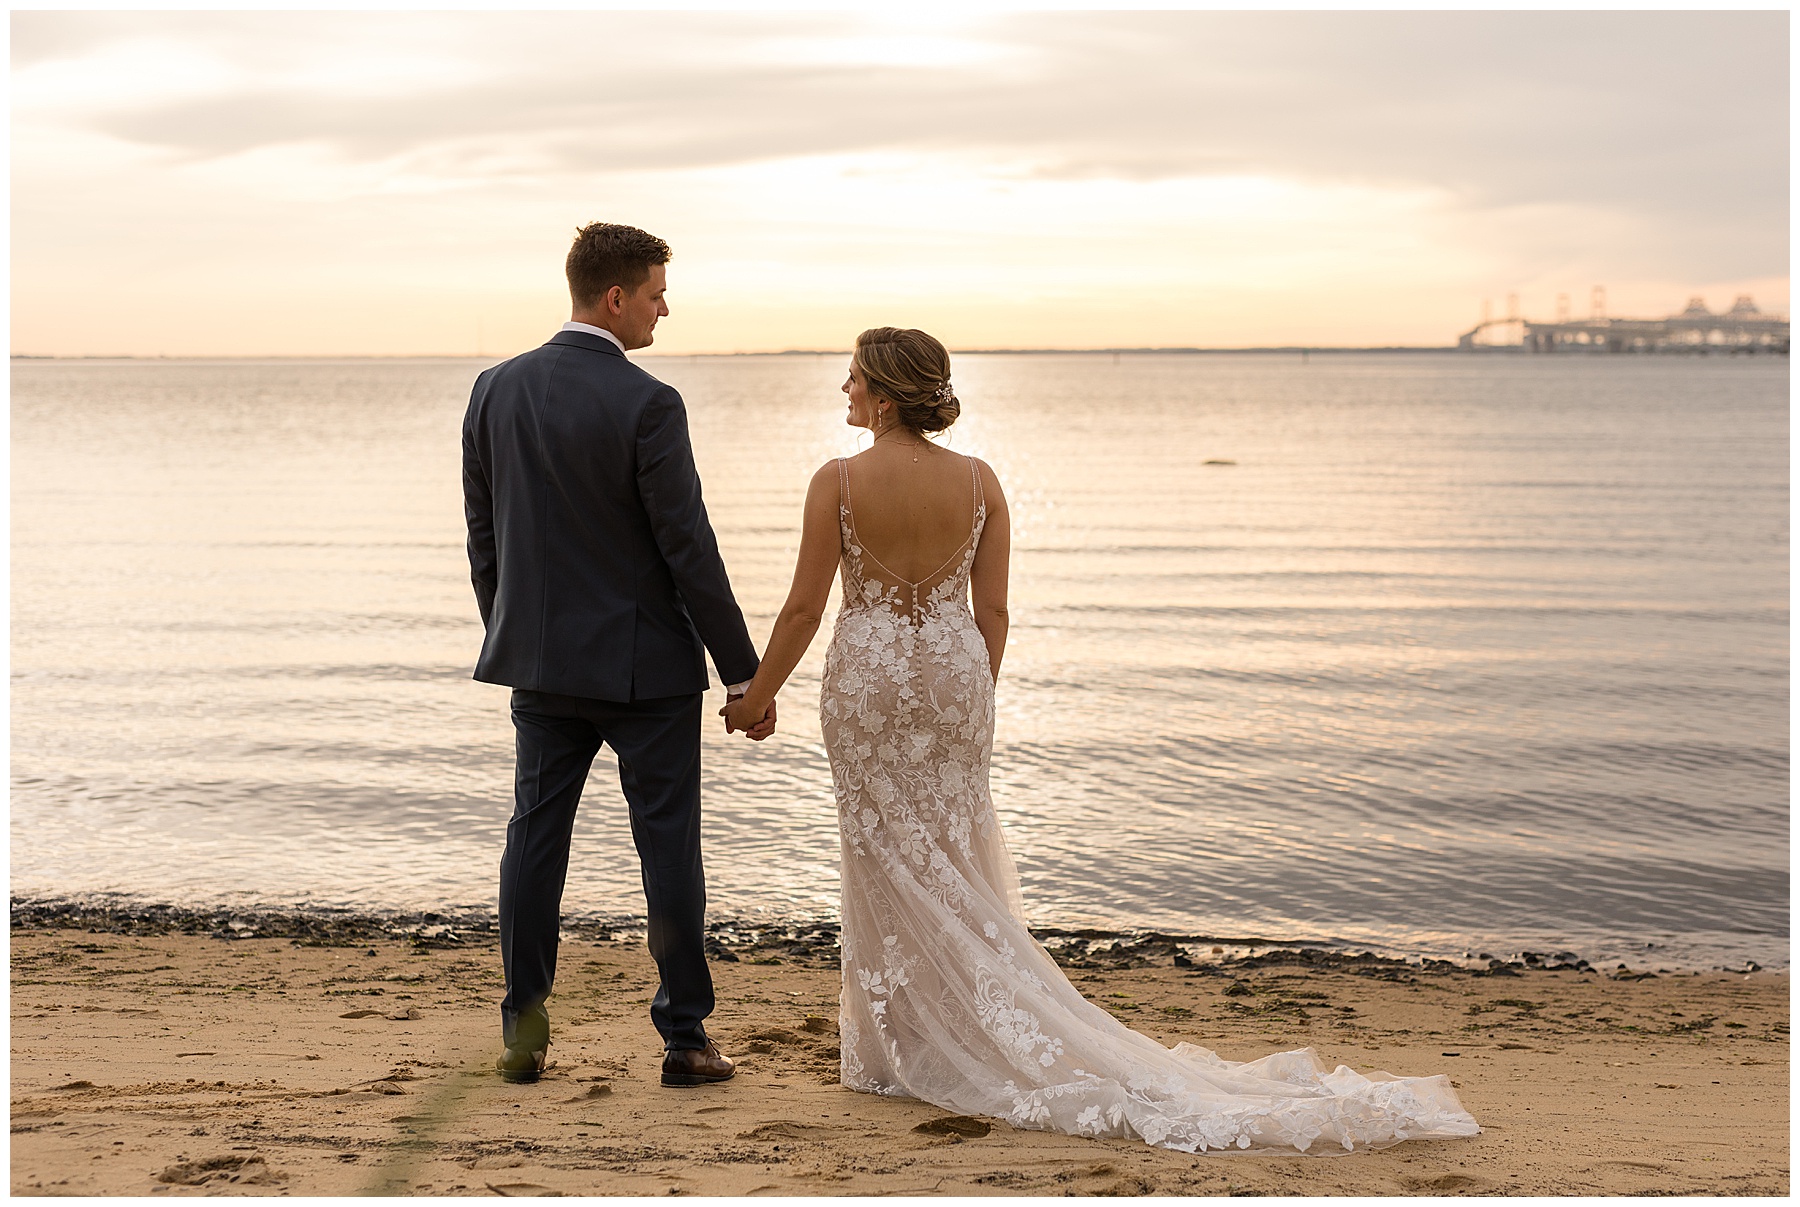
(913, 507)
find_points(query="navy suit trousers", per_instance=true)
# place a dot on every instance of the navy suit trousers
(658, 747)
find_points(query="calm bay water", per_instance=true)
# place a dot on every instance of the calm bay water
(1462, 653)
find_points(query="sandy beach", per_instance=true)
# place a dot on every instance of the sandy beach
(167, 1063)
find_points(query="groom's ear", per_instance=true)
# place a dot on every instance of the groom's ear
(613, 300)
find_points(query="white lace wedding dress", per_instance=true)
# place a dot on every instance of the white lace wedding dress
(946, 996)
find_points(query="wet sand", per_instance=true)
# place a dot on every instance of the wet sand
(176, 1064)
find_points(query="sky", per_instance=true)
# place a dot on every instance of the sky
(407, 183)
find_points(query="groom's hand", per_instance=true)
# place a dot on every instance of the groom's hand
(737, 717)
(763, 728)
(726, 711)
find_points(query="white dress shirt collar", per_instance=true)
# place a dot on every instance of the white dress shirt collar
(593, 330)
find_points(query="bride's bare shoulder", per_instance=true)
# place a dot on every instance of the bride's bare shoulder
(825, 476)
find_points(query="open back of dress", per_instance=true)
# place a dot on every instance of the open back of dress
(874, 584)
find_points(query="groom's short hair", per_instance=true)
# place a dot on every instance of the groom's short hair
(606, 254)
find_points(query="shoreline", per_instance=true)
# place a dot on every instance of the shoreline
(173, 1064)
(731, 938)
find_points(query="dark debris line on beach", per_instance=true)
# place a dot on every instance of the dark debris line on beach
(327, 928)
(814, 944)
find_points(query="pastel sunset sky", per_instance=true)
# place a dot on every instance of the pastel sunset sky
(312, 183)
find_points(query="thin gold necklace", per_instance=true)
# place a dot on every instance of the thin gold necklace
(916, 445)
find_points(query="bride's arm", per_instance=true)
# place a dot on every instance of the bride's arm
(987, 578)
(799, 617)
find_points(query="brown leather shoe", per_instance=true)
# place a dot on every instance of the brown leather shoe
(522, 1067)
(689, 1066)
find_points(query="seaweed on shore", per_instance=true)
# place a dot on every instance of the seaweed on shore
(809, 944)
(324, 927)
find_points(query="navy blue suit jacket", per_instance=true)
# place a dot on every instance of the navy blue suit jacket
(594, 564)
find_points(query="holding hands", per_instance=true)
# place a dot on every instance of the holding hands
(755, 723)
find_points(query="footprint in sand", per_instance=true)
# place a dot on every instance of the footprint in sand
(1448, 1181)
(781, 1129)
(501, 1162)
(591, 1093)
(249, 1170)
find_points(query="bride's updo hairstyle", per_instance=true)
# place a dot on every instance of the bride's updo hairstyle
(911, 370)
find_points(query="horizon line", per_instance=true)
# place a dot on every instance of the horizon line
(1119, 351)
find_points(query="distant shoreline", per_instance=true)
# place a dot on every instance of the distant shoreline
(1302, 351)
(1181, 351)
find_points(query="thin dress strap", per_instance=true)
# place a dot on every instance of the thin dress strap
(980, 498)
(847, 541)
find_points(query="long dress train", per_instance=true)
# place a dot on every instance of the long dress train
(946, 996)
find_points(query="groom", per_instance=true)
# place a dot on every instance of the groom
(599, 582)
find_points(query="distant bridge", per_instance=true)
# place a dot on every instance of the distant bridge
(1742, 329)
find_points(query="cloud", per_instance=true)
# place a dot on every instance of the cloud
(1541, 148)
(1679, 112)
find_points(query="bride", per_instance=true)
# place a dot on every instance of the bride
(946, 996)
